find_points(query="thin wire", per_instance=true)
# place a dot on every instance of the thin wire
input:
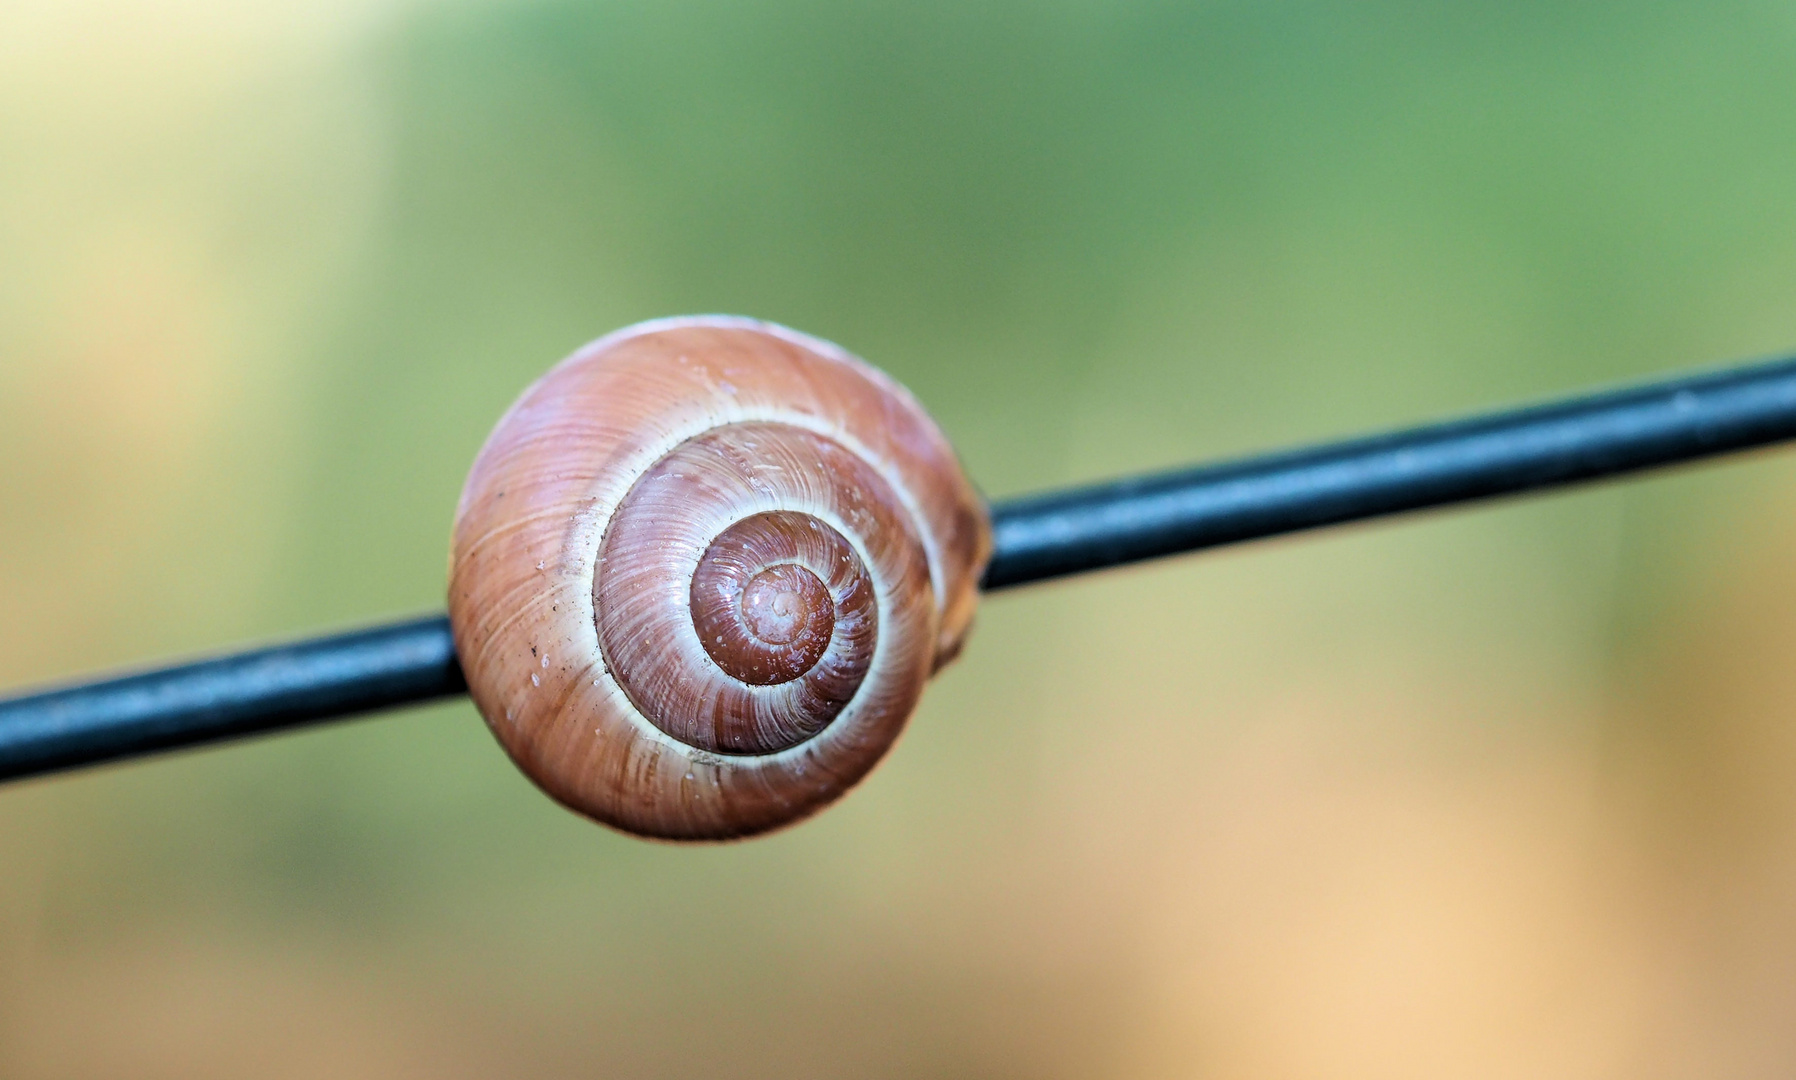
(1502, 453)
(1036, 539)
(242, 694)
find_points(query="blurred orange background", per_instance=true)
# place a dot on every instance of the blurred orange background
(1504, 791)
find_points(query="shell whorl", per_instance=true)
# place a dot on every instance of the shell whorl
(702, 570)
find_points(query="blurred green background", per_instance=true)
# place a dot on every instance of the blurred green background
(1508, 791)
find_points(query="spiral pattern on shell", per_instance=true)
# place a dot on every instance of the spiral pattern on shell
(702, 571)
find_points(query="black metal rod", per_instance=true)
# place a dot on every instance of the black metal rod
(231, 696)
(1504, 453)
(1036, 538)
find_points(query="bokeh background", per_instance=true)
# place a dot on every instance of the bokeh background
(1500, 792)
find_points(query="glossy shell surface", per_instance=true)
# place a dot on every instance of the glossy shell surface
(702, 570)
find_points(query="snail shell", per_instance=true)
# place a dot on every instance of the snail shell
(702, 570)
